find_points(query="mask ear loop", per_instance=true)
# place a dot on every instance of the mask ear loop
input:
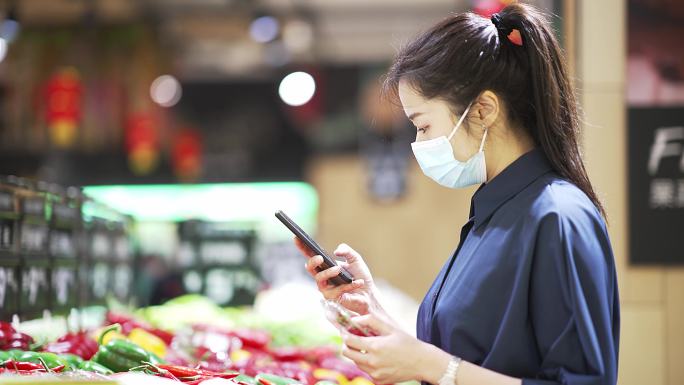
(458, 124)
(483, 138)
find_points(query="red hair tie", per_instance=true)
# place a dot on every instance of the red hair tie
(512, 34)
(514, 37)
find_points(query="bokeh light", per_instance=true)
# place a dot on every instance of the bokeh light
(3, 49)
(9, 29)
(298, 35)
(297, 88)
(166, 91)
(264, 29)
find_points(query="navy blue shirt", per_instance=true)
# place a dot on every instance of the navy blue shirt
(531, 290)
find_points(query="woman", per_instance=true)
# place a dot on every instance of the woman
(530, 294)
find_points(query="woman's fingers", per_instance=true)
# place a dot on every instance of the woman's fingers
(337, 291)
(326, 274)
(359, 358)
(346, 252)
(304, 249)
(374, 323)
(357, 303)
(313, 263)
(355, 342)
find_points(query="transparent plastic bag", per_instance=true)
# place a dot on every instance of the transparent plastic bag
(342, 319)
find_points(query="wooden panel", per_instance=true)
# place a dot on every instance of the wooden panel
(570, 35)
(674, 321)
(642, 348)
(605, 157)
(601, 41)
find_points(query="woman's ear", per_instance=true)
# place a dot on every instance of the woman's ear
(486, 109)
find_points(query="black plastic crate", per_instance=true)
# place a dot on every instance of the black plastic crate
(218, 260)
(99, 241)
(33, 225)
(64, 285)
(64, 231)
(99, 281)
(9, 285)
(122, 281)
(9, 215)
(35, 287)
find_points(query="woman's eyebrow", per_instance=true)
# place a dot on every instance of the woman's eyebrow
(414, 115)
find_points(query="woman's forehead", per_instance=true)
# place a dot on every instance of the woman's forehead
(411, 100)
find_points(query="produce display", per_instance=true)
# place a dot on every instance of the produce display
(234, 347)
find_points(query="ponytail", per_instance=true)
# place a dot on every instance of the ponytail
(557, 124)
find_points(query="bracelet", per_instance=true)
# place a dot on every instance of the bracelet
(449, 377)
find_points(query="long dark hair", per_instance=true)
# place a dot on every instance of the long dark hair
(465, 54)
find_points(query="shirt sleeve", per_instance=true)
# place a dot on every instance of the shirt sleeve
(573, 305)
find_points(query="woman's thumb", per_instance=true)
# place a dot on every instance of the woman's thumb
(346, 252)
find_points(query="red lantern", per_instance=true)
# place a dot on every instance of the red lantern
(63, 97)
(187, 155)
(142, 143)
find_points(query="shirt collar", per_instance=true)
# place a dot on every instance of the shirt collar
(513, 179)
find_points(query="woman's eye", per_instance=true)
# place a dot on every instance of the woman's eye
(423, 129)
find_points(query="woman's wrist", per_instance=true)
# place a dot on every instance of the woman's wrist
(433, 363)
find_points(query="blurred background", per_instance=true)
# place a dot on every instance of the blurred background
(146, 144)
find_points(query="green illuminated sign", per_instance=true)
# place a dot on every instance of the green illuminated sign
(229, 202)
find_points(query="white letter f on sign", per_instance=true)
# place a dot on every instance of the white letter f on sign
(663, 147)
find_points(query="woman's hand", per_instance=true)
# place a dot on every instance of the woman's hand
(360, 296)
(393, 356)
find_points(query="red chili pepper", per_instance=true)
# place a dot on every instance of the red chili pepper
(166, 374)
(79, 344)
(288, 353)
(226, 376)
(57, 369)
(162, 334)
(11, 364)
(20, 345)
(214, 374)
(181, 371)
(22, 337)
(253, 338)
(12, 339)
(4, 337)
(264, 381)
(6, 326)
(128, 323)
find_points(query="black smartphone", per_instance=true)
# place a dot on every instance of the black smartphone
(342, 278)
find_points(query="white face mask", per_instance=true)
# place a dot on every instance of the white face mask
(436, 159)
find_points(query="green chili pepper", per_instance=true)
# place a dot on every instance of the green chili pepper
(5, 355)
(91, 366)
(276, 380)
(120, 355)
(27, 356)
(246, 379)
(14, 353)
(73, 360)
(52, 360)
